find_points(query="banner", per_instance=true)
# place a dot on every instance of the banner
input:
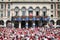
(18, 19)
(33, 18)
(26, 19)
(46, 19)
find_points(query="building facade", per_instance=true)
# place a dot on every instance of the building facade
(29, 12)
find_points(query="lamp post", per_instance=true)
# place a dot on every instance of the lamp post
(16, 10)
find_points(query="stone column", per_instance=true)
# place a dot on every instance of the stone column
(34, 24)
(55, 24)
(26, 24)
(19, 24)
(34, 13)
(5, 23)
(27, 14)
(12, 25)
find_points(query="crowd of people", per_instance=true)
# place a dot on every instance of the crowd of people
(38, 33)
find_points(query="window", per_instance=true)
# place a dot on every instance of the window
(37, 13)
(16, 10)
(44, 9)
(8, 13)
(58, 22)
(23, 11)
(37, 9)
(51, 15)
(1, 14)
(8, 6)
(1, 6)
(44, 13)
(58, 6)
(30, 11)
(58, 13)
(51, 6)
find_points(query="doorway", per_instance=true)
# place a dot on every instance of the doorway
(16, 24)
(36, 23)
(30, 23)
(23, 23)
(58, 22)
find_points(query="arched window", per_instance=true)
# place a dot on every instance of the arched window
(23, 11)
(52, 21)
(1, 14)
(44, 9)
(30, 11)
(16, 10)
(37, 9)
(58, 22)
(1, 22)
